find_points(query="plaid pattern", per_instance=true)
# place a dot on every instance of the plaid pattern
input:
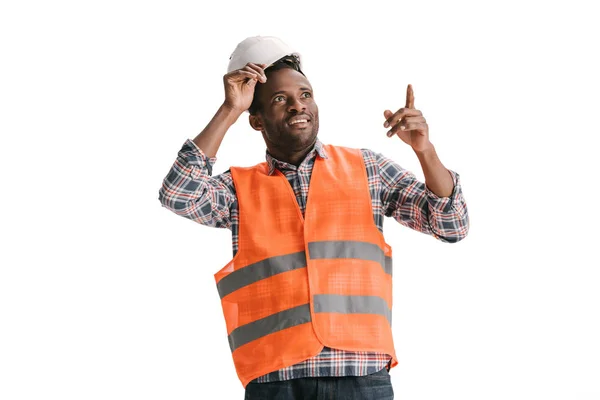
(189, 190)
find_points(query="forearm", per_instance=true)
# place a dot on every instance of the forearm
(437, 177)
(409, 201)
(211, 137)
(189, 190)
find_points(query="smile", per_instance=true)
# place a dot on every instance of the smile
(299, 122)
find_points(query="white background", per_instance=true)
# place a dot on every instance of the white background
(104, 294)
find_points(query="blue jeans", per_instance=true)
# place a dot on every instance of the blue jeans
(377, 386)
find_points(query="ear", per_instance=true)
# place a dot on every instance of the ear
(256, 122)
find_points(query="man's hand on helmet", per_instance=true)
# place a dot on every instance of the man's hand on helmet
(239, 86)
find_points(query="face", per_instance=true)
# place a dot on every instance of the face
(286, 98)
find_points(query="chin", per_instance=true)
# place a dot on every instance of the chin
(300, 140)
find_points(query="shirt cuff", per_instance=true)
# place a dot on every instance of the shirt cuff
(196, 157)
(444, 204)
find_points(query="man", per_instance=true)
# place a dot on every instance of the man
(307, 297)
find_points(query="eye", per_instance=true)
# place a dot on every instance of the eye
(308, 93)
(277, 97)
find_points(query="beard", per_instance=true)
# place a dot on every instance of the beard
(288, 138)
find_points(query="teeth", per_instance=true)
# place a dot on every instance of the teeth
(298, 121)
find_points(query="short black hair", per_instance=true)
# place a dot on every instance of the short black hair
(291, 61)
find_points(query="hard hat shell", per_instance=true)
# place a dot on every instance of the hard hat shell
(260, 50)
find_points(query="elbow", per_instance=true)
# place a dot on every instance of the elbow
(172, 203)
(455, 235)
(456, 238)
(194, 208)
(163, 198)
(459, 234)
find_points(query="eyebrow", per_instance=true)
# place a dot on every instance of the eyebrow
(283, 91)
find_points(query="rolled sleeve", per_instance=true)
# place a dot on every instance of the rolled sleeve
(448, 217)
(411, 203)
(189, 190)
(196, 157)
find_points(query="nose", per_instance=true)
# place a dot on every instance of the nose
(295, 105)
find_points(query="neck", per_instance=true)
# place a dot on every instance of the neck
(290, 156)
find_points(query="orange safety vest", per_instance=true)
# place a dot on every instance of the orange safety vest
(297, 284)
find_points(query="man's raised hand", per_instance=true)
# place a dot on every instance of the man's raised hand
(239, 86)
(409, 124)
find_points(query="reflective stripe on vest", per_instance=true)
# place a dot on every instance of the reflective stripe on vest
(323, 303)
(318, 250)
(273, 323)
(335, 303)
(350, 249)
(260, 270)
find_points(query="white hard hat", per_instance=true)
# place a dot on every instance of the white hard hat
(259, 50)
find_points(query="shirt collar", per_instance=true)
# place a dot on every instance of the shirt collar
(318, 149)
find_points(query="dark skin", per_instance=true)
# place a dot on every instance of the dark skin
(286, 96)
(291, 143)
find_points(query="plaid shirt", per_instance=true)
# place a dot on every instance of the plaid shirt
(189, 190)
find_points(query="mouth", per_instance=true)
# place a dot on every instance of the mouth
(298, 122)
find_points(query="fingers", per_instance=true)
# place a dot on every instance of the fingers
(250, 72)
(411, 126)
(246, 74)
(247, 78)
(407, 118)
(410, 97)
(412, 120)
(408, 124)
(393, 119)
(387, 114)
(258, 69)
(420, 127)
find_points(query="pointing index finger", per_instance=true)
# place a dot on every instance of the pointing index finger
(410, 97)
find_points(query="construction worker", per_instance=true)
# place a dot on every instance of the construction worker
(307, 297)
